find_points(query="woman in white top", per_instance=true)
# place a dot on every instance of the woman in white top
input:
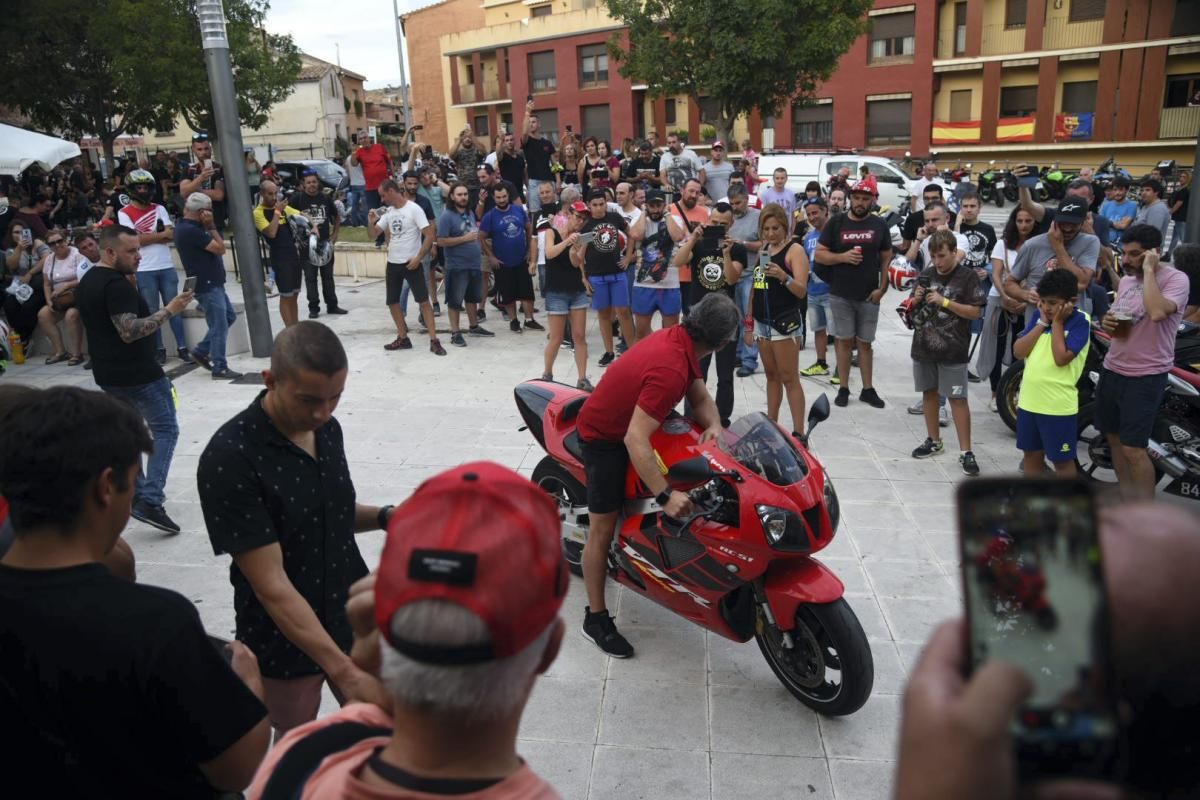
(61, 273)
(23, 268)
(1003, 317)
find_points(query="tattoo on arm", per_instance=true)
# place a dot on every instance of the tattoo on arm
(131, 328)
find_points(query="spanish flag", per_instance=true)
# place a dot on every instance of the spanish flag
(1014, 129)
(955, 132)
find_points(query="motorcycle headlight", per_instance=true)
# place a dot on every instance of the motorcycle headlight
(784, 529)
(832, 504)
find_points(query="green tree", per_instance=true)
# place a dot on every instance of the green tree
(742, 54)
(109, 67)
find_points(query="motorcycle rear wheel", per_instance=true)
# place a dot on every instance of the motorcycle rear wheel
(567, 493)
(827, 638)
(1093, 455)
(998, 196)
(1008, 391)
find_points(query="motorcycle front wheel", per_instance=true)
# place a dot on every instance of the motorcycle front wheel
(829, 667)
(998, 196)
(1008, 391)
(1010, 191)
(568, 494)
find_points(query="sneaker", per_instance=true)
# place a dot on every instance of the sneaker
(566, 344)
(533, 325)
(225, 375)
(400, 343)
(479, 330)
(835, 380)
(816, 370)
(744, 372)
(338, 310)
(547, 376)
(203, 360)
(435, 347)
(993, 406)
(184, 356)
(943, 417)
(972, 377)
(87, 364)
(515, 326)
(313, 313)
(968, 463)
(457, 339)
(854, 359)
(480, 315)
(600, 630)
(161, 357)
(154, 516)
(928, 448)
(871, 398)
(437, 309)
(606, 359)
(917, 408)
(585, 385)
(843, 397)
(622, 347)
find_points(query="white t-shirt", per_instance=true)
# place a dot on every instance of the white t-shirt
(145, 220)
(631, 217)
(355, 174)
(752, 201)
(405, 226)
(1001, 251)
(964, 247)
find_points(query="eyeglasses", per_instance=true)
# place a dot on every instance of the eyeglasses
(56, 242)
(201, 136)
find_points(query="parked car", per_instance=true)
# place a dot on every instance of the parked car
(894, 186)
(331, 175)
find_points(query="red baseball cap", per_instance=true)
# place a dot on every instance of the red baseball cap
(866, 186)
(579, 207)
(717, 143)
(484, 538)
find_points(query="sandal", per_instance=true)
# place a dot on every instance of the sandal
(75, 360)
(57, 357)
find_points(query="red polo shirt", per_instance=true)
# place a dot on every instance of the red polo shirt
(654, 376)
(375, 163)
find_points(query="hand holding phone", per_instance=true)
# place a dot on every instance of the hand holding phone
(189, 285)
(586, 238)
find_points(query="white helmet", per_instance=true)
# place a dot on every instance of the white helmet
(319, 253)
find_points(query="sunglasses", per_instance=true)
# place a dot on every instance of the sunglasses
(200, 137)
(56, 242)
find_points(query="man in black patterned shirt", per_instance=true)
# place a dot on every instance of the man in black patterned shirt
(277, 496)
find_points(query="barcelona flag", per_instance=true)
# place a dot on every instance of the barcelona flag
(1073, 126)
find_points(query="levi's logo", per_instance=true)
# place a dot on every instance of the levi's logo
(443, 566)
(858, 236)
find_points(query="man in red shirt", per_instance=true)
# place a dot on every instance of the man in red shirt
(377, 167)
(638, 392)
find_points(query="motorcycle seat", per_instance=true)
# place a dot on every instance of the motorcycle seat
(573, 446)
(1187, 376)
(571, 410)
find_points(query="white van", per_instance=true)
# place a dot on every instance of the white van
(894, 185)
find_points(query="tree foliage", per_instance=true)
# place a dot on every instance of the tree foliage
(742, 54)
(109, 67)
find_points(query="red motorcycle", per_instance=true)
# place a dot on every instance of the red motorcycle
(741, 564)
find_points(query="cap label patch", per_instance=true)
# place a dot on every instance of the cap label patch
(443, 566)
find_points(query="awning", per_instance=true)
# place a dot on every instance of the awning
(21, 149)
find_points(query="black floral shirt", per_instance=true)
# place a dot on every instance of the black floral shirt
(258, 488)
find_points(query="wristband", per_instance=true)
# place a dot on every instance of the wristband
(663, 497)
(382, 517)
(945, 302)
(788, 282)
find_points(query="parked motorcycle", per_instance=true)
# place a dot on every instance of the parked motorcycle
(1103, 178)
(1006, 184)
(742, 564)
(1055, 180)
(991, 186)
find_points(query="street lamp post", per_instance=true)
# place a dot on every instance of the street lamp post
(237, 190)
(408, 121)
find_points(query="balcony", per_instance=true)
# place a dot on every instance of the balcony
(1179, 123)
(998, 40)
(492, 92)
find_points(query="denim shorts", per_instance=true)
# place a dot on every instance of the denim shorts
(611, 291)
(818, 312)
(560, 303)
(463, 285)
(763, 330)
(646, 301)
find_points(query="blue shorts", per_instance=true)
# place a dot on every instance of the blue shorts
(561, 303)
(818, 312)
(668, 302)
(1051, 434)
(609, 291)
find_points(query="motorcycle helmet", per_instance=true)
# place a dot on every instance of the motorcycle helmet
(906, 309)
(901, 274)
(319, 253)
(140, 185)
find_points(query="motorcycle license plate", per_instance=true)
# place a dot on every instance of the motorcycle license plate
(1039, 186)
(1184, 487)
(999, 184)
(965, 179)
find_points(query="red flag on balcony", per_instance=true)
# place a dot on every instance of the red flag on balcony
(1014, 129)
(1073, 126)
(955, 132)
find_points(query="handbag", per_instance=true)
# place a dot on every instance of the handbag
(63, 301)
(788, 322)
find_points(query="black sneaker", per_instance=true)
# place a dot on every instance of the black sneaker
(225, 375)
(745, 372)
(203, 360)
(622, 347)
(457, 339)
(313, 313)
(515, 326)
(184, 356)
(972, 377)
(479, 330)
(437, 309)
(843, 397)
(533, 325)
(969, 465)
(154, 516)
(871, 398)
(607, 359)
(480, 315)
(435, 347)
(161, 357)
(337, 310)
(930, 448)
(600, 630)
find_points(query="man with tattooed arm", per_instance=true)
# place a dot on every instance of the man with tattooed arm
(120, 332)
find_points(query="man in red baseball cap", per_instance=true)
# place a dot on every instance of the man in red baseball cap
(459, 620)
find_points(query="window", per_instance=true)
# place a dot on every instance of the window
(481, 125)
(1083, 10)
(1187, 18)
(542, 77)
(892, 37)
(670, 113)
(593, 66)
(548, 121)
(1018, 101)
(833, 167)
(1078, 97)
(542, 11)
(889, 121)
(507, 72)
(595, 122)
(812, 126)
(470, 73)
(960, 28)
(1181, 89)
(1014, 13)
(960, 105)
(710, 110)
(506, 122)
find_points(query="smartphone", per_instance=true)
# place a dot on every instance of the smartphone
(714, 232)
(208, 163)
(27, 236)
(586, 238)
(1033, 584)
(189, 285)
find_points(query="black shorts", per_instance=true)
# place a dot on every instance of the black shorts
(1128, 406)
(605, 465)
(397, 274)
(287, 276)
(513, 284)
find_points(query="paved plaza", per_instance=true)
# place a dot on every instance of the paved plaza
(692, 715)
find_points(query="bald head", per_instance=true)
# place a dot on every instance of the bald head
(268, 191)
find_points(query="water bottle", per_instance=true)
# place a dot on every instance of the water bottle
(16, 348)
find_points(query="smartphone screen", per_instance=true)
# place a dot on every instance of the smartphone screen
(1034, 590)
(189, 284)
(714, 231)
(586, 238)
(208, 163)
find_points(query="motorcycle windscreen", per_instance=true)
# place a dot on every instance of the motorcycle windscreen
(760, 446)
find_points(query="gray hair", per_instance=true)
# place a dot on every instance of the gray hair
(737, 190)
(569, 195)
(488, 690)
(197, 201)
(714, 321)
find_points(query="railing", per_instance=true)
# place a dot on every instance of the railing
(1179, 123)
(996, 39)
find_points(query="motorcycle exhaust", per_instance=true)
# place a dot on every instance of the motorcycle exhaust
(1170, 464)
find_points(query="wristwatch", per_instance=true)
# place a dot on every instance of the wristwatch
(384, 515)
(663, 497)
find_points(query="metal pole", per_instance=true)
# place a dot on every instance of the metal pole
(408, 120)
(237, 190)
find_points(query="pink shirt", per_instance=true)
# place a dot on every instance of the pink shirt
(338, 775)
(1150, 347)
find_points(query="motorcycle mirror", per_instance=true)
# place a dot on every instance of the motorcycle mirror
(968, 165)
(691, 470)
(993, 161)
(819, 411)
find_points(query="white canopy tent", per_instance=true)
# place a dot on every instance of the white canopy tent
(21, 149)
